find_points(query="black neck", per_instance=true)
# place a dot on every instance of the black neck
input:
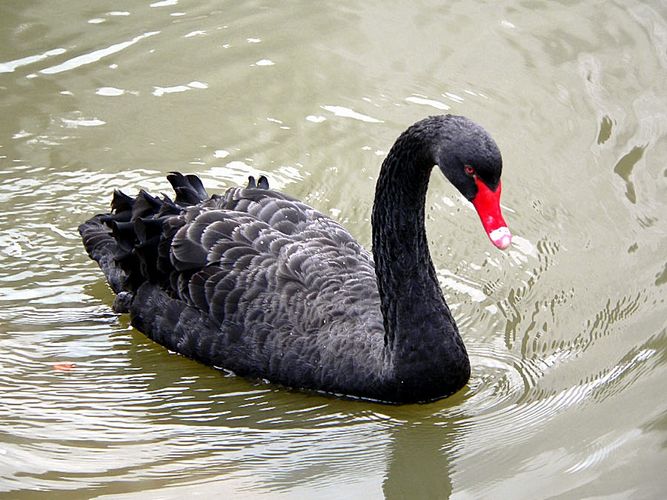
(418, 323)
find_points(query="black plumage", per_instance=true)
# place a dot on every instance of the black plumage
(259, 283)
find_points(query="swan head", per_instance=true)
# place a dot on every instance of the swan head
(468, 156)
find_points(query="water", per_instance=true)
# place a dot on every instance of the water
(567, 331)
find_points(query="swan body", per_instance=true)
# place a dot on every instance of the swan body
(257, 282)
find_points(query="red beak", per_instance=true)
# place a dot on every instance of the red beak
(487, 204)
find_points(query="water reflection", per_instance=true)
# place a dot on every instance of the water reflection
(418, 465)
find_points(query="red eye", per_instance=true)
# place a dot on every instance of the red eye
(469, 170)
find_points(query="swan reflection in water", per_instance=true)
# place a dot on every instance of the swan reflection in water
(301, 440)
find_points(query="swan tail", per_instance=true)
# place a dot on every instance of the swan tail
(129, 243)
(132, 244)
(102, 248)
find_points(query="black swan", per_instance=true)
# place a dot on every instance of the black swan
(261, 284)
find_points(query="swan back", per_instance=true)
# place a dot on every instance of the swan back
(253, 281)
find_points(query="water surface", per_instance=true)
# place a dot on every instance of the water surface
(567, 331)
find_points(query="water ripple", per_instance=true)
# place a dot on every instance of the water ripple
(95, 56)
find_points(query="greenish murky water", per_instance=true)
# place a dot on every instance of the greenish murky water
(567, 331)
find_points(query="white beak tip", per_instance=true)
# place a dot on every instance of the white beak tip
(501, 237)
